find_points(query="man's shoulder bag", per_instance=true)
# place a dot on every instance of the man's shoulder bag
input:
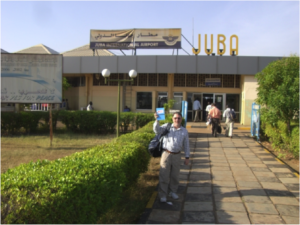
(155, 145)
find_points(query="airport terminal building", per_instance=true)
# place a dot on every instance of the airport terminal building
(219, 78)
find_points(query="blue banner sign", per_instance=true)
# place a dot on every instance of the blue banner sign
(184, 111)
(255, 120)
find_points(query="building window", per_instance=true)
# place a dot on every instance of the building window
(202, 78)
(179, 80)
(228, 81)
(162, 99)
(152, 78)
(142, 79)
(191, 80)
(76, 81)
(163, 79)
(144, 100)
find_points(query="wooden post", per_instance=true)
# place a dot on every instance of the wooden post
(50, 124)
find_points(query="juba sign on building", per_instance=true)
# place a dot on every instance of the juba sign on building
(31, 78)
(135, 38)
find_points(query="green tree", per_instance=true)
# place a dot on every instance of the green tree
(65, 85)
(278, 90)
(169, 105)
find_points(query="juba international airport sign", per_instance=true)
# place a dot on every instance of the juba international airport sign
(136, 38)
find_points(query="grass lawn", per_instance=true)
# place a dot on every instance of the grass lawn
(26, 148)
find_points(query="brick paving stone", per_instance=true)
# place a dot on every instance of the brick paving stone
(285, 175)
(280, 170)
(183, 182)
(265, 219)
(177, 205)
(200, 177)
(218, 172)
(198, 206)
(222, 177)
(227, 197)
(221, 168)
(291, 219)
(225, 217)
(230, 206)
(264, 174)
(245, 178)
(198, 217)
(260, 169)
(261, 208)
(199, 190)
(288, 210)
(224, 190)
(284, 200)
(268, 179)
(234, 169)
(238, 164)
(292, 187)
(257, 165)
(192, 197)
(199, 183)
(256, 199)
(289, 180)
(245, 191)
(224, 183)
(278, 193)
(183, 176)
(273, 186)
(252, 184)
(164, 216)
(242, 173)
(272, 162)
(276, 166)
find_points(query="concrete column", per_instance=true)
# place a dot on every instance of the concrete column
(170, 85)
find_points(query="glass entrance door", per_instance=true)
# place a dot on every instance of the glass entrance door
(192, 112)
(219, 100)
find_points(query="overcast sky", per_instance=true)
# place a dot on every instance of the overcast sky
(264, 28)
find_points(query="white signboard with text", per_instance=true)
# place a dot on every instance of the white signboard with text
(31, 78)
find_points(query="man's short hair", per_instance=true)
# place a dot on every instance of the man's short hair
(178, 113)
(213, 104)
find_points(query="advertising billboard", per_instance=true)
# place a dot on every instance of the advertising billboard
(31, 78)
(136, 38)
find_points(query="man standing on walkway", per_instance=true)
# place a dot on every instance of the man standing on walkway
(215, 115)
(229, 114)
(208, 107)
(174, 142)
(196, 108)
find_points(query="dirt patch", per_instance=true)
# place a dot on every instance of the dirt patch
(288, 157)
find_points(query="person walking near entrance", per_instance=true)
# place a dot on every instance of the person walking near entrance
(215, 115)
(208, 107)
(229, 114)
(196, 108)
(175, 141)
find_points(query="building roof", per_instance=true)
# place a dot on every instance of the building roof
(38, 49)
(86, 51)
(3, 51)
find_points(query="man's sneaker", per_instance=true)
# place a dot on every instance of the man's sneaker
(173, 195)
(163, 199)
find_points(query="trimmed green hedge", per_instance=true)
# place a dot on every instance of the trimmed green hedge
(280, 138)
(77, 188)
(76, 121)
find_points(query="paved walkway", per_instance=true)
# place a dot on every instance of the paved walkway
(229, 181)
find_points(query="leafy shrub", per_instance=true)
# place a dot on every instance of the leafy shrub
(77, 188)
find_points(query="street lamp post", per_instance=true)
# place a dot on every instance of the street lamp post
(132, 75)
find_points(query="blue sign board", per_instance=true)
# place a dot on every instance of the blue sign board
(184, 111)
(255, 120)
